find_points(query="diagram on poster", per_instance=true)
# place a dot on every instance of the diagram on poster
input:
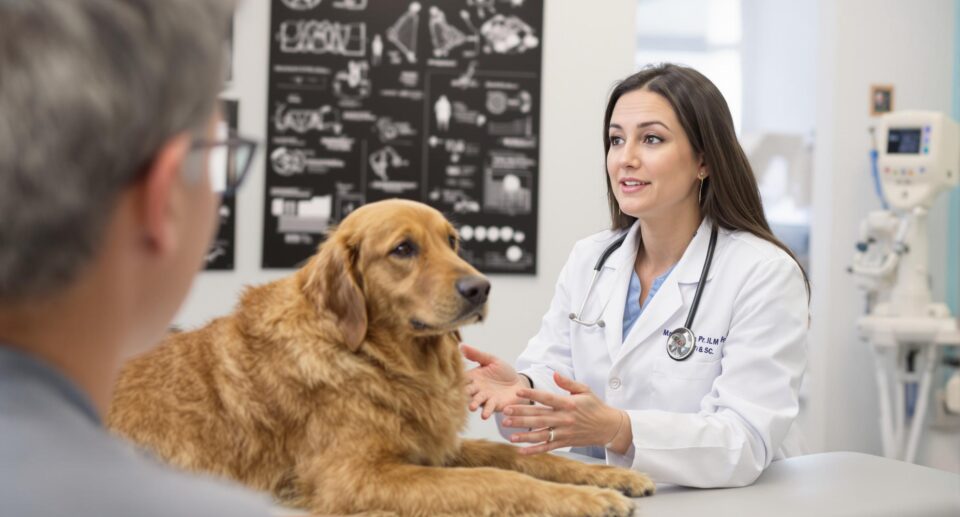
(432, 100)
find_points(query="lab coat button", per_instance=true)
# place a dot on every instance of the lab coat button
(614, 383)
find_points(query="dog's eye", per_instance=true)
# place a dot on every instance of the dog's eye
(453, 242)
(404, 249)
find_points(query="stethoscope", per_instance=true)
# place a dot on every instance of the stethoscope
(682, 341)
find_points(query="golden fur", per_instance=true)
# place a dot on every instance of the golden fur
(340, 388)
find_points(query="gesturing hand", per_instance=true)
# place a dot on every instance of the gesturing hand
(578, 420)
(493, 384)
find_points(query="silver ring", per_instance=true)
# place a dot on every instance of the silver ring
(550, 436)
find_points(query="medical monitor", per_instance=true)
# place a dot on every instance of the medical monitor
(918, 156)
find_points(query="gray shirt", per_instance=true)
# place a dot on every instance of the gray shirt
(57, 459)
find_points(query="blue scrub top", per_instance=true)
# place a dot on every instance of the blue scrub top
(633, 309)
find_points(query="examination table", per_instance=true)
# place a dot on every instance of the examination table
(827, 484)
(831, 484)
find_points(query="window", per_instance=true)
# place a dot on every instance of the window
(708, 41)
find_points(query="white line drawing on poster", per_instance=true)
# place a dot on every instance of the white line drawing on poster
(506, 193)
(519, 142)
(323, 37)
(217, 250)
(376, 49)
(351, 5)
(480, 233)
(508, 35)
(338, 144)
(409, 78)
(445, 37)
(460, 171)
(324, 118)
(483, 6)
(455, 146)
(465, 205)
(287, 162)
(348, 202)
(389, 129)
(354, 82)
(464, 115)
(498, 102)
(466, 80)
(382, 160)
(442, 110)
(461, 202)
(298, 215)
(301, 5)
(520, 127)
(514, 253)
(403, 32)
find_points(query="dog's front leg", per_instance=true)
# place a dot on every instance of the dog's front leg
(549, 467)
(350, 486)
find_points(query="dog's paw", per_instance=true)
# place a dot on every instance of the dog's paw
(628, 482)
(591, 501)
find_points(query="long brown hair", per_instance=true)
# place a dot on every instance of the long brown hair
(731, 197)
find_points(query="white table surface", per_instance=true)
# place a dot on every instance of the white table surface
(832, 484)
(826, 484)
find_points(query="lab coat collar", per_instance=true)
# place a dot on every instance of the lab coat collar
(626, 254)
(665, 303)
(619, 265)
(691, 262)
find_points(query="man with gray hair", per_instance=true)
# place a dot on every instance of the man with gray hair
(107, 123)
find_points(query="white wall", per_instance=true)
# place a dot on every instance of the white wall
(779, 63)
(585, 50)
(862, 42)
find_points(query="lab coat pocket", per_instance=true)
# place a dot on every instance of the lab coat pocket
(588, 344)
(681, 385)
(692, 368)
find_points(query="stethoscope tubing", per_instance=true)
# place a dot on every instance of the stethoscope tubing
(703, 279)
(615, 245)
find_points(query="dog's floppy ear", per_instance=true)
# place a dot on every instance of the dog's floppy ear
(336, 288)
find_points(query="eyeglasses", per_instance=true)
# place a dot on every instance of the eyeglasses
(228, 161)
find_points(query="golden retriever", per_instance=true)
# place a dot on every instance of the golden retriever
(341, 388)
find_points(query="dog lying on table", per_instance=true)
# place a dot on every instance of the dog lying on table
(340, 388)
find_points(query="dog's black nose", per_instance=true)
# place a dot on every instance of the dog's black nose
(474, 288)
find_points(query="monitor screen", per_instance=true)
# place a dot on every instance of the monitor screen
(903, 141)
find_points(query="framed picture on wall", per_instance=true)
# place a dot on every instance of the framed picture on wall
(881, 99)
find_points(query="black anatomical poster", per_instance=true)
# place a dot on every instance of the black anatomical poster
(431, 100)
(220, 254)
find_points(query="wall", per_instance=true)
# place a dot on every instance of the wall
(585, 50)
(779, 66)
(953, 253)
(864, 42)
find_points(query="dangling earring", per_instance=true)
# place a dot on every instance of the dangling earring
(700, 192)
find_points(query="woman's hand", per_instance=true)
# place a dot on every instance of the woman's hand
(578, 420)
(493, 384)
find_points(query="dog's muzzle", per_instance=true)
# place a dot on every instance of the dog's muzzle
(474, 289)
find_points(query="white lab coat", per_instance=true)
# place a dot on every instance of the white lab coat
(722, 415)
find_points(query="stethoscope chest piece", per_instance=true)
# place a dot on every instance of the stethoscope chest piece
(680, 344)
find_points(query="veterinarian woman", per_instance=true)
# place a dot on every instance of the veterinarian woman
(605, 379)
